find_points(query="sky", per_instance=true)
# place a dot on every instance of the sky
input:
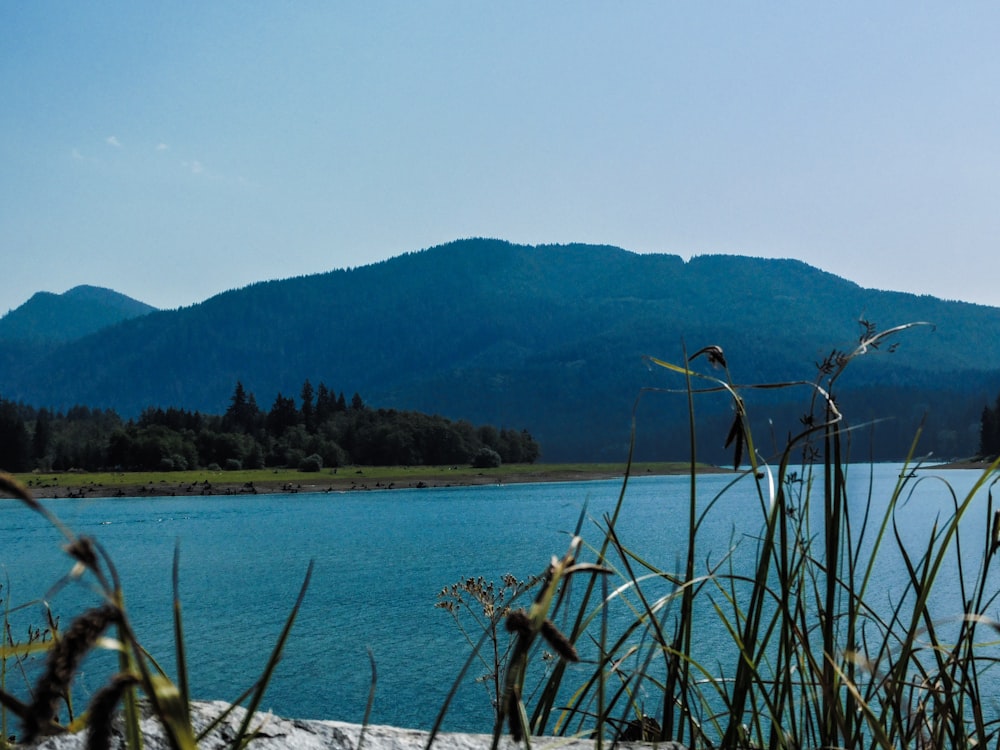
(172, 151)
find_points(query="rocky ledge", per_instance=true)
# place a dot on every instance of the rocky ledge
(275, 733)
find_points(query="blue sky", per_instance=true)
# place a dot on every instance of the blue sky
(175, 150)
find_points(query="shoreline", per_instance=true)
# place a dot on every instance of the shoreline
(355, 479)
(219, 485)
(974, 464)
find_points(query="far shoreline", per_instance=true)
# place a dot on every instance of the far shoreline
(981, 464)
(208, 483)
(80, 485)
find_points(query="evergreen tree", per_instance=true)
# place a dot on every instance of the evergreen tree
(989, 432)
(530, 450)
(282, 416)
(241, 415)
(42, 436)
(15, 443)
(254, 414)
(307, 411)
(326, 405)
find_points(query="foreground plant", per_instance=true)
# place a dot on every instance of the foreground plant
(527, 628)
(806, 653)
(483, 605)
(138, 673)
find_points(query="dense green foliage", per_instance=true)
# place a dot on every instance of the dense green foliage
(321, 430)
(551, 338)
(989, 430)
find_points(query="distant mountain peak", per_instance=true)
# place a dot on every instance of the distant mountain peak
(89, 291)
(48, 318)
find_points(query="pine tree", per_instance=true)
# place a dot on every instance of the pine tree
(42, 436)
(15, 443)
(326, 405)
(989, 432)
(283, 415)
(243, 413)
(307, 411)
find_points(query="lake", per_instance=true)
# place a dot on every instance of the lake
(380, 560)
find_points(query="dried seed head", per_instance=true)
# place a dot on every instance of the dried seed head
(714, 355)
(102, 711)
(559, 642)
(518, 622)
(63, 661)
(83, 551)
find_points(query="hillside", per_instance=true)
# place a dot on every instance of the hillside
(550, 338)
(49, 318)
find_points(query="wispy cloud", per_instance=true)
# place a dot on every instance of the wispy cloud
(112, 140)
(77, 155)
(161, 147)
(194, 165)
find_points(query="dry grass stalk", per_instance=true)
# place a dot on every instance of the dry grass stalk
(102, 710)
(63, 662)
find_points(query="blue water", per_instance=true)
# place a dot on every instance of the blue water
(380, 560)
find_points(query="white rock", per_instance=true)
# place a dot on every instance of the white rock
(275, 733)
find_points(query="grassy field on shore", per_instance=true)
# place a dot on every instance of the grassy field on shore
(252, 481)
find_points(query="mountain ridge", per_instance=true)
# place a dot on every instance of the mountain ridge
(551, 337)
(48, 318)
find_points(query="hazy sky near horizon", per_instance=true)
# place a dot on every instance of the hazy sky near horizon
(171, 151)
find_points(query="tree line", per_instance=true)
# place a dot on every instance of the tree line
(320, 429)
(989, 430)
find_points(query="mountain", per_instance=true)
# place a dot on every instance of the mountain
(49, 318)
(551, 339)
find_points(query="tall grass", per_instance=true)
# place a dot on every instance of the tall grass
(808, 653)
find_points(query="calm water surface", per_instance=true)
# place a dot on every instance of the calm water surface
(380, 560)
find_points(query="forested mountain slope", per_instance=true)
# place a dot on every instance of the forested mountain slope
(550, 338)
(49, 318)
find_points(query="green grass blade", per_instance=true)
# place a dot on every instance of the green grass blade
(265, 678)
(181, 654)
(371, 699)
